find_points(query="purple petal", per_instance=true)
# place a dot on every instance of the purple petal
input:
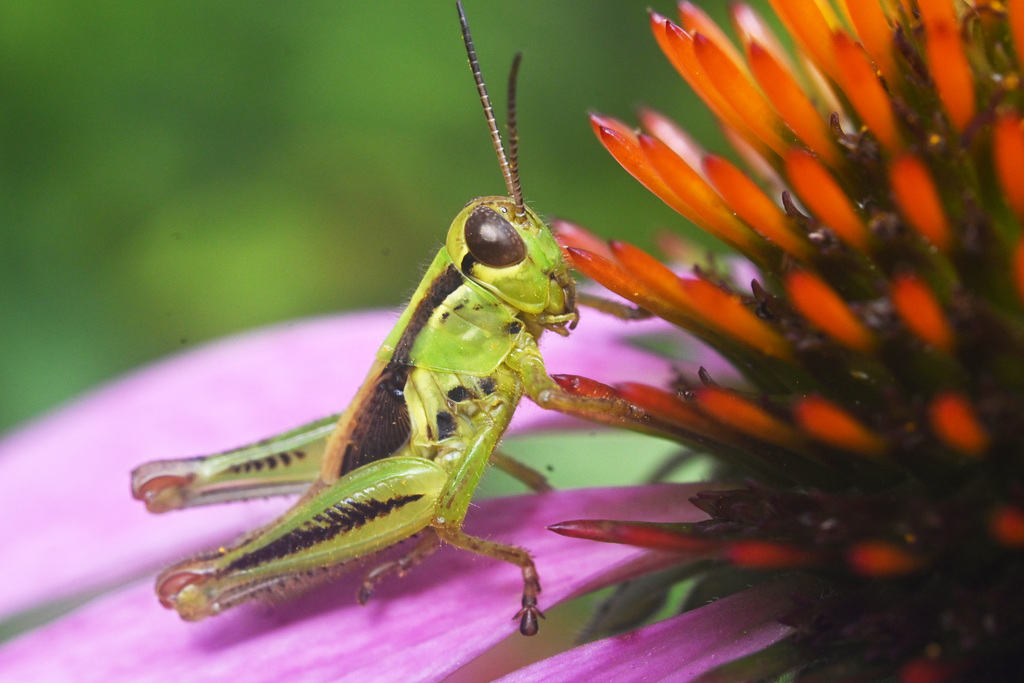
(70, 523)
(681, 648)
(444, 613)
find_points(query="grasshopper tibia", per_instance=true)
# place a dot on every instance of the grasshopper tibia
(620, 310)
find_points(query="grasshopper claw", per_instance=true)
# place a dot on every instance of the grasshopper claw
(183, 591)
(528, 615)
(528, 623)
(161, 485)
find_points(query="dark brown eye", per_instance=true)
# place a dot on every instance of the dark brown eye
(492, 240)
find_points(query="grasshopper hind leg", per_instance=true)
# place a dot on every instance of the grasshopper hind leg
(285, 464)
(364, 512)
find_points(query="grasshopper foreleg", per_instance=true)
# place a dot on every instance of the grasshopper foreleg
(528, 363)
(618, 309)
(536, 481)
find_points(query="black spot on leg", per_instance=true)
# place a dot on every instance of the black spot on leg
(513, 328)
(446, 282)
(487, 386)
(445, 424)
(459, 394)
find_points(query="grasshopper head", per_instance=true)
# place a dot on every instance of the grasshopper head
(516, 259)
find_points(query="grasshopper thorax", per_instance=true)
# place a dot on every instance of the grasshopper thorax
(518, 261)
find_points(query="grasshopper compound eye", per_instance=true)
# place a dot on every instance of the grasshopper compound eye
(492, 240)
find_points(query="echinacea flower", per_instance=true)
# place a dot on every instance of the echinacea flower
(878, 423)
(82, 548)
(868, 518)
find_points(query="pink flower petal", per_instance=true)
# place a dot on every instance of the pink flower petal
(70, 523)
(681, 648)
(421, 627)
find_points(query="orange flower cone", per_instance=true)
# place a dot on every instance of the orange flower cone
(879, 421)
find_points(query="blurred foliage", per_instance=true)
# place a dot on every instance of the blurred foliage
(174, 172)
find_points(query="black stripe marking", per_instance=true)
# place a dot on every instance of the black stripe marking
(443, 286)
(282, 459)
(337, 519)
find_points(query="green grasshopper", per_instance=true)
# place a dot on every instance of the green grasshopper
(406, 456)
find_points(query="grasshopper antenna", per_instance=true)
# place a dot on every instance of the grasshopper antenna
(509, 169)
(513, 137)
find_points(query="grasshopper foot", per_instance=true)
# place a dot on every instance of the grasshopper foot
(528, 618)
(183, 589)
(162, 485)
(529, 615)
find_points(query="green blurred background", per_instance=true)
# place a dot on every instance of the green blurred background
(174, 172)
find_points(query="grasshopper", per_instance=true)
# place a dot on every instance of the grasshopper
(405, 457)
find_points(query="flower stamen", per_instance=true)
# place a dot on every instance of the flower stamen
(883, 559)
(820, 304)
(755, 208)
(920, 310)
(860, 83)
(746, 417)
(947, 62)
(793, 105)
(824, 197)
(919, 200)
(954, 421)
(813, 30)
(827, 423)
